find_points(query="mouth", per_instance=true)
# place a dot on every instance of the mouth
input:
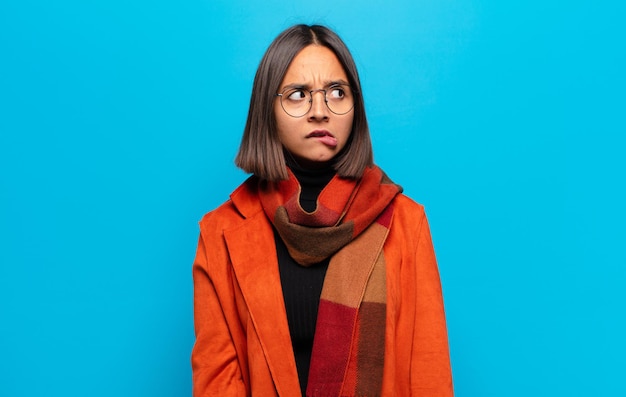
(324, 137)
(319, 133)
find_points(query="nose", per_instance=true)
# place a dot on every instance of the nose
(319, 110)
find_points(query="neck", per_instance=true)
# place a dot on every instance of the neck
(312, 182)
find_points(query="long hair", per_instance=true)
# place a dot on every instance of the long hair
(261, 152)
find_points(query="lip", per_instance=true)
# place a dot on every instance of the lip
(324, 137)
(319, 133)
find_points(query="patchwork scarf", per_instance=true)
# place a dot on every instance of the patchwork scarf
(350, 225)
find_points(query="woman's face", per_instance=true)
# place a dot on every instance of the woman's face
(317, 137)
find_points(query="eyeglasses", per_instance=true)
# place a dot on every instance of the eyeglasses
(297, 102)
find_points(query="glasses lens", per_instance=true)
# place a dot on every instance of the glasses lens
(296, 102)
(339, 99)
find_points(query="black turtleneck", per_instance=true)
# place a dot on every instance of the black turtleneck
(302, 286)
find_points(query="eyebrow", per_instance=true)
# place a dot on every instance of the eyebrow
(327, 84)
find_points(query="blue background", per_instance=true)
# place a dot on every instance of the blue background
(119, 122)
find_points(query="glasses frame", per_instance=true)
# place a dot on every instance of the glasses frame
(311, 92)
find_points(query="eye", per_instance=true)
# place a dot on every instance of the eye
(336, 92)
(296, 95)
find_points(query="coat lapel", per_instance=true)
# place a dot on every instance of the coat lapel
(253, 254)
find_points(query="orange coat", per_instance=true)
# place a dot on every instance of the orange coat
(243, 346)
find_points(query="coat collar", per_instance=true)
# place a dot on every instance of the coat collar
(253, 254)
(246, 199)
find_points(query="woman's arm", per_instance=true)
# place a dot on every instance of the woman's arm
(215, 365)
(431, 373)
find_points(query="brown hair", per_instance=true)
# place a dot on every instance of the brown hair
(261, 152)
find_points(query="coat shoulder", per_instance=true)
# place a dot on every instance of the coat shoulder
(243, 203)
(407, 209)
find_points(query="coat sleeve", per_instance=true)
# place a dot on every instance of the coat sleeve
(215, 365)
(431, 373)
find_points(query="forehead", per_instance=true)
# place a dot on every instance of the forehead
(314, 64)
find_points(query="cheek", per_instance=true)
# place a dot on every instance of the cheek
(347, 126)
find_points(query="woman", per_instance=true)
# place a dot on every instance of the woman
(318, 276)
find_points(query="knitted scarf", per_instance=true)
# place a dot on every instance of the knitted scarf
(350, 225)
